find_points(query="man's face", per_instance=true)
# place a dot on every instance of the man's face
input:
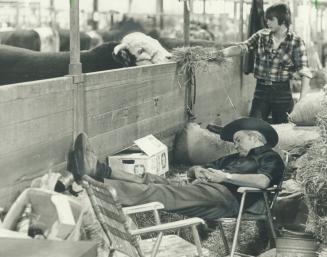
(272, 24)
(243, 142)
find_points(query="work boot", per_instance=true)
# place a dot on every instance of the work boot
(83, 160)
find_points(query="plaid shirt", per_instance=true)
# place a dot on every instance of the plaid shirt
(277, 64)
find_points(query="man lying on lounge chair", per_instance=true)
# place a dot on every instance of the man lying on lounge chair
(213, 194)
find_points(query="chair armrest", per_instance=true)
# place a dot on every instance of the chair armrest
(256, 190)
(143, 208)
(168, 226)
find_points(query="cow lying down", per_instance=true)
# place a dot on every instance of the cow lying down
(19, 65)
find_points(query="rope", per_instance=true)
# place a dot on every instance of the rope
(191, 94)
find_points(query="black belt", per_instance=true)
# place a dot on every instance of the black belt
(271, 83)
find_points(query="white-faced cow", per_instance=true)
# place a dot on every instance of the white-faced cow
(19, 65)
(146, 49)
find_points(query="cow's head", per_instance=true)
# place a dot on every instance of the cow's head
(124, 58)
(146, 49)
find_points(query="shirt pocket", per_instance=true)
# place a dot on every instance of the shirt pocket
(286, 61)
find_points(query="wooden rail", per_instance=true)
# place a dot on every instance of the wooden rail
(37, 119)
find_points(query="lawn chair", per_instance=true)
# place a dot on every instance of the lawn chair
(123, 240)
(269, 197)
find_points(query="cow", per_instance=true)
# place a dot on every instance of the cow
(64, 39)
(121, 29)
(24, 38)
(34, 39)
(146, 49)
(44, 39)
(19, 65)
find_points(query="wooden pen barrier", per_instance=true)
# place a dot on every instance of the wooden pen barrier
(37, 119)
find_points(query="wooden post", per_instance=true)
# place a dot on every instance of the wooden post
(75, 68)
(186, 24)
(129, 6)
(241, 23)
(17, 15)
(191, 6)
(159, 14)
(95, 15)
(39, 15)
(204, 7)
(52, 14)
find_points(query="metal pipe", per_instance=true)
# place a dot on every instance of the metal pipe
(238, 224)
(197, 240)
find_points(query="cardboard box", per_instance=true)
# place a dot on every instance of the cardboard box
(46, 212)
(148, 154)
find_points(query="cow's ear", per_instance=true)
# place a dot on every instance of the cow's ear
(119, 48)
(124, 58)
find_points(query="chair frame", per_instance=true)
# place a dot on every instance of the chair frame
(268, 215)
(90, 184)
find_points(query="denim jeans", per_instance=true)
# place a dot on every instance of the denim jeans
(275, 99)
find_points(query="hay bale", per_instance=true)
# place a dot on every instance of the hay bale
(312, 174)
(195, 145)
(323, 252)
(147, 219)
(305, 111)
(319, 79)
(252, 238)
(295, 139)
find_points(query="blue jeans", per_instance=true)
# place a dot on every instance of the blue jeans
(275, 99)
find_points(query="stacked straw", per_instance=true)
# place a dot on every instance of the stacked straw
(313, 177)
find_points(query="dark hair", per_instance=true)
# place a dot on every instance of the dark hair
(281, 12)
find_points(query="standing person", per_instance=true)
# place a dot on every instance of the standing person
(279, 55)
(214, 195)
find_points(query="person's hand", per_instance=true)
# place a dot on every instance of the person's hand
(200, 173)
(191, 173)
(220, 54)
(213, 175)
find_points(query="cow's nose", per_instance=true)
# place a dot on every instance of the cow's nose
(168, 57)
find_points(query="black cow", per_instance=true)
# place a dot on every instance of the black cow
(121, 29)
(64, 38)
(30, 39)
(19, 65)
(25, 38)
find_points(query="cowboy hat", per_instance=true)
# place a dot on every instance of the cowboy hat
(250, 123)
